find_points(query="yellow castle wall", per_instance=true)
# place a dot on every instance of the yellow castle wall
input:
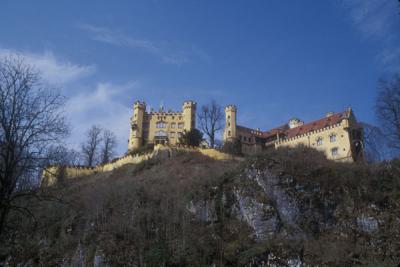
(50, 174)
(248, 141)
(169, 119)
(342, 142)
(146, 124)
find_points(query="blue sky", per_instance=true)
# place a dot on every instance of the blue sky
(273, 59)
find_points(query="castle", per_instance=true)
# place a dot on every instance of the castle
(338, 135)
(160, 127)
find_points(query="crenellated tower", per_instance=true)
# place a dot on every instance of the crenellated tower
(230, 123)
(189, 115)
(136, 132)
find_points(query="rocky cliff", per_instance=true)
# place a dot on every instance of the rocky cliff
(280, 208)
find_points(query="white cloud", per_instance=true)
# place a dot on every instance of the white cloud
(52, 69)
(102, 107)
(374, 18)
(378, 20)
(165, 52)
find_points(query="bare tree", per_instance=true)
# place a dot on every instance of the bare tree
(61, 155)
(31, 119)
(109, 145)
(211, 118)
(90, 148)
(375, 147)
(388, 110)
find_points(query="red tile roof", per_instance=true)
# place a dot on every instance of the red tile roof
(305, 128)
(273, 132)
(286, 132)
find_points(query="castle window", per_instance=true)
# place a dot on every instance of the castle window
(180, 117)
(173, 117)
(332, 138)
(173, 125)
(229, 133)
(250, 139)
(334, 151)
(240, 137)
(161, 134)
(180, 125)
(229, 124)
(160, 125)
(319, 141)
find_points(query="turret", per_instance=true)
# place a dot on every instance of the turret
(189, 115)
(136, 132)
(230, 123)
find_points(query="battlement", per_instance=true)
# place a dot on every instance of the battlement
(53, 173)
(163, 126)
(231, 108)
(176, 113)
(189, 104)
(139, 105)
(338, 135)
(56, 173)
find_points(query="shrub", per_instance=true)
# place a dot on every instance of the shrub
(147, 148)
(191, 138)
(233, 147)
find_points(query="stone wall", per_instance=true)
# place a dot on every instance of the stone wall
(53, 174)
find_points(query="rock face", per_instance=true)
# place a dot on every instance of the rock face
(263, 218)
(309, 213)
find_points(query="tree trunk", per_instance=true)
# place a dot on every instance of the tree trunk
(4, 209)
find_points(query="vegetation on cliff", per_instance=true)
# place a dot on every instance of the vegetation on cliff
(284, 207)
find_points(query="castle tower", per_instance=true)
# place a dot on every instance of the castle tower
(189, 115)
(136, 132)
(230, 123)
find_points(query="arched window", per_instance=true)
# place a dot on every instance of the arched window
(160, 125)
(332, 138)
(229, 133)
(335, 151)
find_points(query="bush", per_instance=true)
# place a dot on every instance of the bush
(191, 138)
(233, 147)
(147, 148)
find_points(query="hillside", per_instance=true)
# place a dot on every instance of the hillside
(281, 208)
